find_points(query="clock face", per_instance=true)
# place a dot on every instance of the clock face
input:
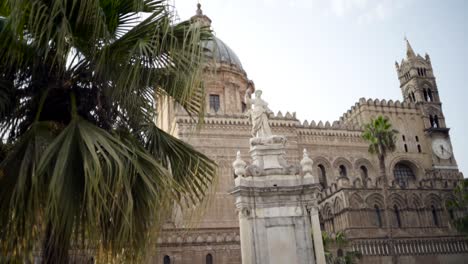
(441, 148)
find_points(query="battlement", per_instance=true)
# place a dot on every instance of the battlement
(377, 104)
(336, 125)
(275, 120)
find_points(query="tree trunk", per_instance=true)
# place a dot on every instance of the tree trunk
(388, 226)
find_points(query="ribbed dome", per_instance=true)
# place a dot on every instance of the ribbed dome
(221, 52)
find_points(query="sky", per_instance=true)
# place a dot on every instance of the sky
(318, 57)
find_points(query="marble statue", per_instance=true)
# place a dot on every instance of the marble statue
(258, 113)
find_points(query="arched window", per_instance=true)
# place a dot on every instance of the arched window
(436, 121)
(419, 149)
(343, 172)
(397, 215)
(406, 148)
(414, 97)
(378, 216)
(434, 216)
(167, 260)
(425, 95)
(417, 139)
(209, 259)
(403, 174)
(364, 174)
(214, 102)
(429, 95)
(322, 176)
(403, 137)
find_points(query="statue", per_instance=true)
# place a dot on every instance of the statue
(258, 114)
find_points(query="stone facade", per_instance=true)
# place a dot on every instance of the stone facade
(422, 172)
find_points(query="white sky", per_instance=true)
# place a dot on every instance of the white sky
(318, 57)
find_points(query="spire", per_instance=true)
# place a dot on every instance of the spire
(409, 50)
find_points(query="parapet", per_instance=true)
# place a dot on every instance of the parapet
(377, 103)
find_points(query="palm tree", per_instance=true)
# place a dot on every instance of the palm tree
(339, 241)
(83, 164)
(382, 139)
(460, 205)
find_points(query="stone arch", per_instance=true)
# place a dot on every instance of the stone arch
(356, 201)
(432, 110)
(426, 84)
(320, 160)
(357, 183)
(433, 203)
(338, 205)
(328, 219)
(409, 88)
(415, 165)
(327, 211)
(398, 200)
(371, 171)
(416, 202)
(449, 197)
(374, 199)
(433, 199)
(340, 161)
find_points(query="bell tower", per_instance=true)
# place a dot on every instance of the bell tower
(418, 85)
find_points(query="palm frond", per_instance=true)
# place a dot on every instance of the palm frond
(94, 175)
(22, 192)
(190, 169)
(80, 77)
(380, 136)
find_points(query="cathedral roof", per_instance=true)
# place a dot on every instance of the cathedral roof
(216, 48)
(222, 53)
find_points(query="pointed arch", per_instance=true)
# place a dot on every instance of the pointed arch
(338, 205)
(356, 201)
(433, 199)
(374, 199)
(398, 200)
(416, 202)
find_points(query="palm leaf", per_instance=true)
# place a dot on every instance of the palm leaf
(22, 192)
(189, 168)
(82, 75)
(96, 175)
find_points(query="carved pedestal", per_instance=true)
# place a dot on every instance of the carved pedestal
(277, 208)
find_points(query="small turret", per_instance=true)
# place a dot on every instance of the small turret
(200, 18)
(409, 50)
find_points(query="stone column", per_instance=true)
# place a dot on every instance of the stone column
(317, 236)
(245, 226)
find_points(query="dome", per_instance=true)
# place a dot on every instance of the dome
(222, 53)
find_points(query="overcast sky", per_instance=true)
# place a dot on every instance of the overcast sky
(318, 57)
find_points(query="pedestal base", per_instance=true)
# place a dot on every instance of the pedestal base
(276, 220)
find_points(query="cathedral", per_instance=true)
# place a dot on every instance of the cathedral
(422, 171)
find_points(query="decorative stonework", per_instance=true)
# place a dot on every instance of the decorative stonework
(276, 205)
(346, 204)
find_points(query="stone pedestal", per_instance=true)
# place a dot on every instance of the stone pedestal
(277, 209)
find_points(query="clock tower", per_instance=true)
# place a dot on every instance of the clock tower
(418, 85)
